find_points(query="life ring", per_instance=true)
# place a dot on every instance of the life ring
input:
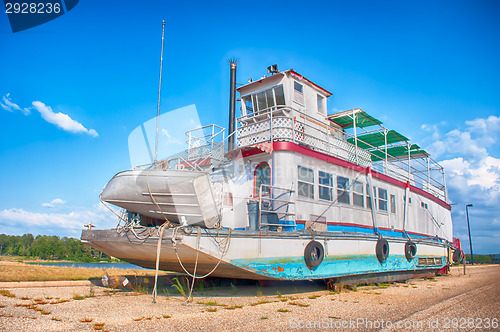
(410, 250)
(458, 255)
(313, 254)
(382, 250)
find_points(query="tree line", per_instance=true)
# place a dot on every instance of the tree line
(49, 247)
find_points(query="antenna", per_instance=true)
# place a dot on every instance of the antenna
(159, 90)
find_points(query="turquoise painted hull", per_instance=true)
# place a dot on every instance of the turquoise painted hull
(331, 267)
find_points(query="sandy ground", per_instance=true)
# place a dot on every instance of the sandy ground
(447, 303)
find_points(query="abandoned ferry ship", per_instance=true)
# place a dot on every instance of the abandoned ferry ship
(290, 193)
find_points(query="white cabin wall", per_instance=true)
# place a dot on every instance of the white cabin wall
(285, 175)
(241, 187)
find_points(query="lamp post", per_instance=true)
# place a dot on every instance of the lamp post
(468, 226)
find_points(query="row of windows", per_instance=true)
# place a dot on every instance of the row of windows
(348, 191)
(265, 99)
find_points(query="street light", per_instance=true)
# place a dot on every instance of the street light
(468, 226)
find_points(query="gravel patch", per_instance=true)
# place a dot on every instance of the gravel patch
(419, 302)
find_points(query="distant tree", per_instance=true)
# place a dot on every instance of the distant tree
(49, 247)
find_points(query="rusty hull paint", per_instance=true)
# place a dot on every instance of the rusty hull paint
(331, 267)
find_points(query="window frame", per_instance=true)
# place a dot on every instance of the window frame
(325, 186)
(393, 203)
(256, 188)
(300, 99)
(266, 96)
(358, 194)
(305, 182)
(343, 191)
(382, 201)
(320, 100)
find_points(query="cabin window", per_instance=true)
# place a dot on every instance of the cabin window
(343, 190)
(305, 182)
(358, 194)
(325, 186)
(262, 177)
(248, 105)
(382, 199)
(321, 108)
(393, 204)
(298, 94)
(263, 100)
(424, 205)
(279, 95)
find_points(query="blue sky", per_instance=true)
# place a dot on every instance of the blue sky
(73, 89)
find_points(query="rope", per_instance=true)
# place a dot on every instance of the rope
(158, 251)
(209, 273)
(198, 236)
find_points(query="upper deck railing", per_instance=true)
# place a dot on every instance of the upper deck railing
(283, 123)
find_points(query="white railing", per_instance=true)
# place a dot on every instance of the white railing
(287, 124)
(276, 208)
(282, 123)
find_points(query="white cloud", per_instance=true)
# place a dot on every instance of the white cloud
(463, 176)
(170, 139)
(485, 126)
(469, 154)
(471, 142)
(64, 223)
(62, 120)
(9, 106)
(54, 202)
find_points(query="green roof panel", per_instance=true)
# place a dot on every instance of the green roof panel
(346, 121)
(373, 140)
(398, 152)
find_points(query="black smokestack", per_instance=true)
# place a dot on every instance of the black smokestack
(232, 102)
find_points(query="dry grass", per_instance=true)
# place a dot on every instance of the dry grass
(98, 326)
(12, 271)
(7, 293)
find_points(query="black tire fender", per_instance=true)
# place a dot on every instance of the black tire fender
(313, 254)
(382, 250)
(410, 250)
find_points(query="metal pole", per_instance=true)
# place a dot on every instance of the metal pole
(159, 90)
(355, 135)
(468, 226)
(232, 102)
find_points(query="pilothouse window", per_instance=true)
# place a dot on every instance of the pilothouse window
(279, 94)
(262, 101)
(298, 94)
(321, 108)
(249, 105)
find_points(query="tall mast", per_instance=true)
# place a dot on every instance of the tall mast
(159, 90)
